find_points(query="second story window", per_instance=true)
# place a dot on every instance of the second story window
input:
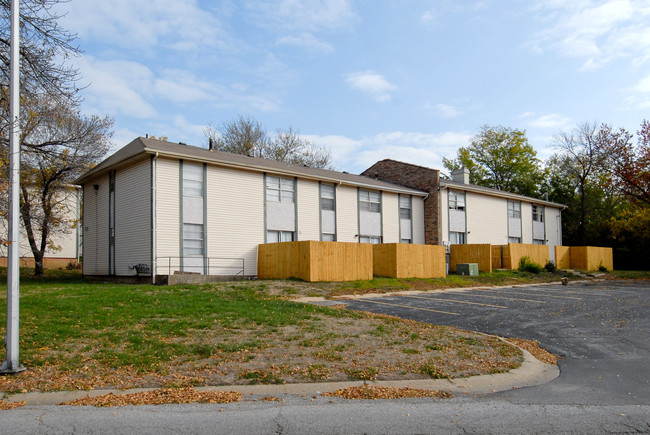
(370, 201)
(456, 200)
(538, 213)
(514, 210)
(279, 189)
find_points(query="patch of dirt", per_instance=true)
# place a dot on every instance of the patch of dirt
(532, 346)
(158, 397)
(373, 393)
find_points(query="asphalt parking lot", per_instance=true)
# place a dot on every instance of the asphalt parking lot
(600, 329)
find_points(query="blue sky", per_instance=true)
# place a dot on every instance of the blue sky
(410, 80)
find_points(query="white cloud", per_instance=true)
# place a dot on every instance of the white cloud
(596, 31)
(356, 155)
(143, 24)
(639, 95)
(117, 87)
(371, 83)
(553, 120)
(306, 40)
(446, 111)
(309, 16)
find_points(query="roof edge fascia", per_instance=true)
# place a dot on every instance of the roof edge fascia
(258, 168)
(502, 194)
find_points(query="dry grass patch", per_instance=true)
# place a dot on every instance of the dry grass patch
(160, 396)
(91, 336)
(532, 346)
(10, 405)
(373, 393)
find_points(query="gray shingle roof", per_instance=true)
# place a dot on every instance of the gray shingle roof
(142, 146)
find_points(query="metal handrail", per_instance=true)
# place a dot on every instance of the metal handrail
(205, 267)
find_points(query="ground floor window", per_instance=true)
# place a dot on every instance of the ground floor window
(514, 239)
(375, 240)
(192, 239)
(456, 238)
(405, 241)
(328, 237)
(279, 236)
(538, 242)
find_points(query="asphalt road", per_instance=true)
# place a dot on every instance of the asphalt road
(600, 329)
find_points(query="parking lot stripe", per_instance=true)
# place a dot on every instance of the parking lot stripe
(505, 297)
(454, 300)
(407, 306)
(532, 293)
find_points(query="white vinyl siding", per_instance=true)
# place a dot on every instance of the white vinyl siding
(417, 210)
(95, 249)
(132, 217)
(488, 224)
(526, 223)
(308, 219)
(390, 217)
(235, 213)
(168, 209)
(347, 228)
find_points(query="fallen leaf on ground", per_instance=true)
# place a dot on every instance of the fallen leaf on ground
(374, 393)
(160, 396)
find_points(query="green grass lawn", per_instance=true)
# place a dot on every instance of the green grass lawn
(76, 334)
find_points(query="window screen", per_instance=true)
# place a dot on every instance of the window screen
(456, 200)
(279, 189)
(370, 201)
(192, 239)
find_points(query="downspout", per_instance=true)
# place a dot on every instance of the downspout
(154, 220)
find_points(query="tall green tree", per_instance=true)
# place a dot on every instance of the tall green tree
(500, 158)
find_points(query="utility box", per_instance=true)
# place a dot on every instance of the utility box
(468, 269)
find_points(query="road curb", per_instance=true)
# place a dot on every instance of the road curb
(531, 372)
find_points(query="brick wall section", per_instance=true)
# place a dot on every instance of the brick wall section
(419, 178)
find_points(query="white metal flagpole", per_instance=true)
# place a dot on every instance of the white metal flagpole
(11, 364)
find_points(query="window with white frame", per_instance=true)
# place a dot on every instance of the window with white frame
(370, 230)
(456, 200)
(456, 238)
(369, 201)
(192, 180)
(514, 209)
(275, 236)
(514, 239)
(193, 239)
(405, 217)
(328, 212)
(279, 189)
(539, 230)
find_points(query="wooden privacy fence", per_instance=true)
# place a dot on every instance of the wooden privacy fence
(400, 260)
(315, 261)
(508, 256)
(481, 254)
(587, 258)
